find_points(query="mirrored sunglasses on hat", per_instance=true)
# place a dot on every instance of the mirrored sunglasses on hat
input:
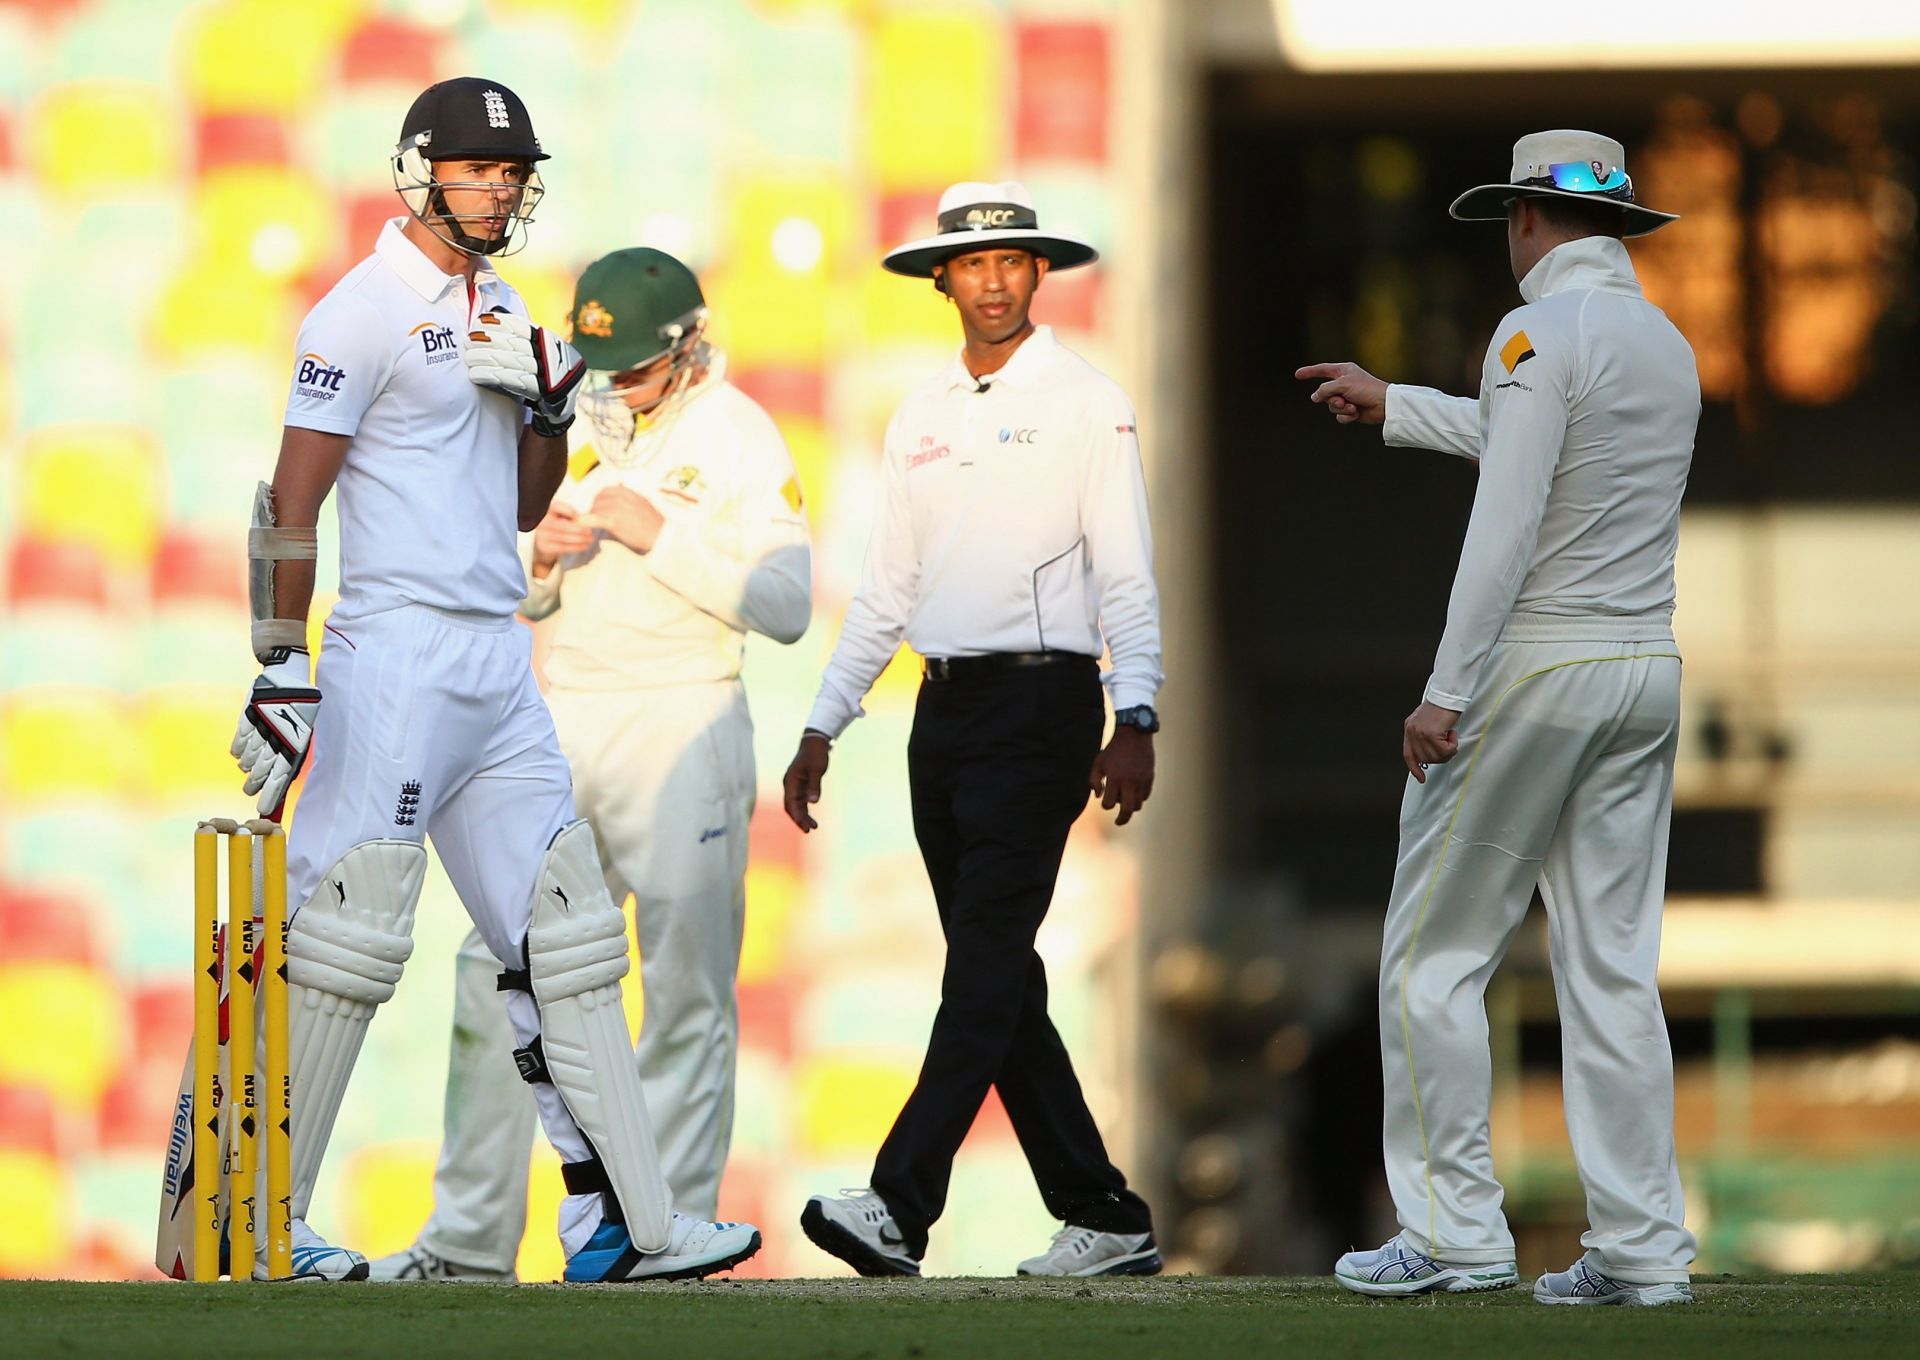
(1581, 177)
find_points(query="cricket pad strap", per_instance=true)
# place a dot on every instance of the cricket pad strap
(577, 954)
(345, 951)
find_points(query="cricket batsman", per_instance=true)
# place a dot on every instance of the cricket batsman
(423, 390)
(1542, 751)
(679, 531)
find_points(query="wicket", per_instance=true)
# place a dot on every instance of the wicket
(255, 957)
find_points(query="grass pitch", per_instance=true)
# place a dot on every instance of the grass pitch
(1186, 1318)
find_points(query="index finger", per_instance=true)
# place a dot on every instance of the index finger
(1320, 371)
(561, 510)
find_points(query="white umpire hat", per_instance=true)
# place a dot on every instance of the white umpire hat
(973, 216)
(1584, 166)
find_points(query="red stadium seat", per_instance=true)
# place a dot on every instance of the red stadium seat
(35, 924)
(27, 1118)
(783, 391)
(391, 49)
(162, 1021)
(239, 139)
(195, 567)
(67, 573)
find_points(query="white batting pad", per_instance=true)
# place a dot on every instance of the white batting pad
(577, 954)
(345, 951)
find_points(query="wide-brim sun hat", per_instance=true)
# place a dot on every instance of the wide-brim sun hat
(974, 216)
(1583, 166)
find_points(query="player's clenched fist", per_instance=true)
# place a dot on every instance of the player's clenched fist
(508, 353)
(276, 728)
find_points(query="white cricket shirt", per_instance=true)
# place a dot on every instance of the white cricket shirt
(1012, 519)
(429, 493)
(1589, 400)
(732, 557)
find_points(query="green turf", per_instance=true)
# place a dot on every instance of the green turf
(1752, 1319)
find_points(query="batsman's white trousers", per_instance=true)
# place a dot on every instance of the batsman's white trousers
(665, 775)
(430, 725)
(1564, 778)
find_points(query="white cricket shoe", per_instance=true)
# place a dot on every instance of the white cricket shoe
(314, 1258)
(857, 1227)
(1580, 1283)
(694, 1250)
(418, 1263)
(1396, 1270)
(1088, 1251)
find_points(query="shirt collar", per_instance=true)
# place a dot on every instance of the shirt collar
(1597, 262)
(1027, 363)
(417, 271)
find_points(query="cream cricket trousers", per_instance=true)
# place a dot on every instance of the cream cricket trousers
(665, 776)
(1564, 779)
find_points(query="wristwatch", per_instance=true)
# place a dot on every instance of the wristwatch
(1141, 716)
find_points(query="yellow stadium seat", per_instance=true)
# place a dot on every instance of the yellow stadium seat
(600, 15)
(207, 307)
(847, 1105)
(935, 96)
(78, 1012)
(99, 138)
(812, 464)
(540, 1258)
(96, 484)
(388, 1189)
(38, 1240)
(184, 735)
(265, 56)
(773, 895)
(771, 315)
(270, 219)
(63, 743)
(813, 210)
(899, 311)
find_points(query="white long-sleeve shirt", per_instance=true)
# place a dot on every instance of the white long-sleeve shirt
(733, 556)
(1012, 519)
(1584, 429)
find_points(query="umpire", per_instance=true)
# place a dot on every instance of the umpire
(1012, 541)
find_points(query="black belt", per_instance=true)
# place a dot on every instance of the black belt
(972, 667)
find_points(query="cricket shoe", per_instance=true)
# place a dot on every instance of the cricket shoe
(314, 1258)
(1396, 1270)
(418, 1263)
(857, 1227)
(1580, 1283)
(694, 1250)
(1088, 1251)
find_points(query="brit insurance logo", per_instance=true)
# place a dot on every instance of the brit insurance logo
(436, 341)
(316, 379)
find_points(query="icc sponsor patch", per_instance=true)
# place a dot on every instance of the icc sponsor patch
(316, 379)
(1516, 351)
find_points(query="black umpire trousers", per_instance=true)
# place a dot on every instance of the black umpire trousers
(998, 765)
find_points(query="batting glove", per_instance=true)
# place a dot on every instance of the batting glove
(508, 353)
(276, 728)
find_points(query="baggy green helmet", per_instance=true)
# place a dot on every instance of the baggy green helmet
(633, 306)
(631, 309)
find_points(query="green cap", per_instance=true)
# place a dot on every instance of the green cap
(632, 306)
